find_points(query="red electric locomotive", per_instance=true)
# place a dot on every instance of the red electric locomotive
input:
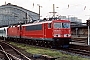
(48, 33)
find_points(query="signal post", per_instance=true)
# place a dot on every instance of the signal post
(88, 24)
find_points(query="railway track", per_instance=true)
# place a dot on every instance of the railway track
(83, 51)
(3, 55)
(10, 53)
(78, 51)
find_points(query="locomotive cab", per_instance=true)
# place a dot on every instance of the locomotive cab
(61, 32)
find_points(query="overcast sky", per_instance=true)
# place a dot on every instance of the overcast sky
(77, 8)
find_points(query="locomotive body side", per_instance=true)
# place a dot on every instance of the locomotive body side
(38, 31)
(13, 32)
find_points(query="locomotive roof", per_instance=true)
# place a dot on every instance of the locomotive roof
(45, 22)
(37, 23)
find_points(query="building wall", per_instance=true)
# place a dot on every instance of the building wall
(80, 32)
(12, 14)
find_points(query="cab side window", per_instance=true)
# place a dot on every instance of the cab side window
(49, 25)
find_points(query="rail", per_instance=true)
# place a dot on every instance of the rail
(8, 54)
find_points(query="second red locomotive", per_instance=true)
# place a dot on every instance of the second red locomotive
(48, 33)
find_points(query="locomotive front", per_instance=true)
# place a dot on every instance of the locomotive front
(61, 32)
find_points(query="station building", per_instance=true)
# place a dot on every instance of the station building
(13, 14)
(80, 33)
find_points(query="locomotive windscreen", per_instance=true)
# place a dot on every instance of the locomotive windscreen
(57, 25)
(61, 25)
(65, 25)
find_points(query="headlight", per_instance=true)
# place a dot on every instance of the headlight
(67, 35)
(56, 35)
